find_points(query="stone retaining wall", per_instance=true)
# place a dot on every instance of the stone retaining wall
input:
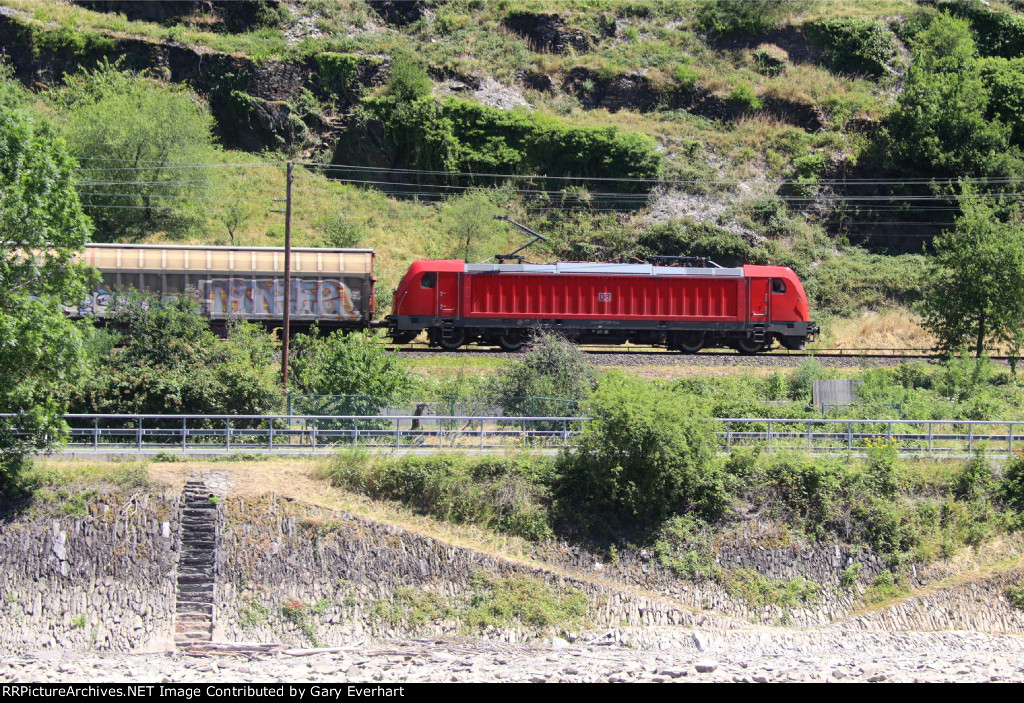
(100, 581)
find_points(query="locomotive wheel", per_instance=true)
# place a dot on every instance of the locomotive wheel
(690, 343)
(748, 346)
(512, 341)
(455, 340)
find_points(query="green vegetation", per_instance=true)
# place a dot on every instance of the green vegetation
(42, 351)
(1015, 594)
(553, 372)
(139, 141)
(854, 45)
(977, 278)
(509, 495)
(347, 364)
(490, 602)
(647, 454)
(168, 361)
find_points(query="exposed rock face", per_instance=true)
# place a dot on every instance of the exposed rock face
(252, 101)
(399, 12)
(549, 33)
(236, 15)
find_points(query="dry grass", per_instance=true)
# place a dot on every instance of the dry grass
(299, 479)
(890, 329)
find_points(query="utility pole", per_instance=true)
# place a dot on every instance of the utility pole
(286, 332)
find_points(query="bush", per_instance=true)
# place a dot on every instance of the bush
(553, 372)
(458, 135)
(744, 97)
(681, 238)
(647, 454)
(853, 45)
(740, 19)
(510, 495)
(352, 363)
(170, 362)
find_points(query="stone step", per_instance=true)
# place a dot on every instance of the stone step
(185, 628)
(191, 606)
(186, 588)
(198, 577)
(192, 637)
(197, 618)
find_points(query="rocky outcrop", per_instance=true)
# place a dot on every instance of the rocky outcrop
(549, 32)
(235, 15)
(253, 102)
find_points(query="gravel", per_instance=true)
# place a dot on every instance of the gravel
(756, 655)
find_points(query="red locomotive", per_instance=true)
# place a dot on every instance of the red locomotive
(685, 308)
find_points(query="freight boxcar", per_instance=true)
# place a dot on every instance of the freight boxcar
(331, 286)
(685, 308)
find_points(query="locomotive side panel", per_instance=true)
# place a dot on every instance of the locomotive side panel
(585, 297)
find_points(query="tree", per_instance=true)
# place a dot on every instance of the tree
(977, 291)
(942, 125)
(42, 227)
(169, 361)
(141, 141)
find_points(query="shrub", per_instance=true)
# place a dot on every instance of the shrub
(744, 97)
(1015, 594)
(511, 495)
(347, 364)
(647, 454)
(740, 19)
(553, 372)
(853, 45)
(459, 135)
(681, 238)
(768, 62)
(974, 481)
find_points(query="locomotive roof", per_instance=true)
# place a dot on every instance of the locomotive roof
(638, 269)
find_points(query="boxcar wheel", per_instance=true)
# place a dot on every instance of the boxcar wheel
(748, 346)
(690, 343)
(453, 341)
(512, 341)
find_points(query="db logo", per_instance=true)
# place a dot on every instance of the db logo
(604, 297)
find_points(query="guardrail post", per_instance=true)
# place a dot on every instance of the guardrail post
(849, 436)
(931, 431)
(398, 428)
(314, 434)
(138, 436)
(1011, 438)
(227, 435)
(270, 437)
(970, 438)
(184, 434)
(355, 425)
(809, 443)
(96, 434)
(769, 438)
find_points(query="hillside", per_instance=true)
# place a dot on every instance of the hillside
(771, 132)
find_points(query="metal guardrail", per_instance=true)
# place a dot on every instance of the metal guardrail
(313, 433)
(909, 437)
(318, 433)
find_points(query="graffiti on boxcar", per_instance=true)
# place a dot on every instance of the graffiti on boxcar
(259, 298)
(245, 297)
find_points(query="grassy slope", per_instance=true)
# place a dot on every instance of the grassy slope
(655, 39)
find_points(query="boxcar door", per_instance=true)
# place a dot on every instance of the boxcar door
(759, 288)
(448, 294)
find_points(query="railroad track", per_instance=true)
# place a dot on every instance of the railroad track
(652, 351)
